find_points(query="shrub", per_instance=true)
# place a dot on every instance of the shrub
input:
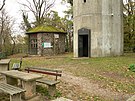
(132, 67)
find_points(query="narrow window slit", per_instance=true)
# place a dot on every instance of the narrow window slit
(84, 1)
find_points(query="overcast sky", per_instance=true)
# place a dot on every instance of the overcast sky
(13, 9)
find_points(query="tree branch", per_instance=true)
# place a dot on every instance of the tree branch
(2, 5)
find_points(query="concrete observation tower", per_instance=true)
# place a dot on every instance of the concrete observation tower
(98, 28)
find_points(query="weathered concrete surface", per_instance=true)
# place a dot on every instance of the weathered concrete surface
(104, 19)
(36, 98)
(30, 89)
(62, 99)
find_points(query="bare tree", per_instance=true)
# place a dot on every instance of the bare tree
(39, 8)
(26, 24)
(2, 20)
(5, 31)
(129, 7)
(1, 27)
(2, 5)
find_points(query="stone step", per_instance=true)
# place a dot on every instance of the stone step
(62, 99)
(132, 98)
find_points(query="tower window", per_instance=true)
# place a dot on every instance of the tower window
(84, 1)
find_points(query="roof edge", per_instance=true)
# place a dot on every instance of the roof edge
(45, 32)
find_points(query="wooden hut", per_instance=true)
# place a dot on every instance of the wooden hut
(46, 40)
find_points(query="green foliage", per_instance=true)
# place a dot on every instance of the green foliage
(2, 55)
(132, 67)
(129, 25)
(65, 24)
(42, 90)
(129, 32)
(57, 94)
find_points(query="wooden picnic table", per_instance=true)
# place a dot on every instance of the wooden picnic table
(4, 64)
(27, 81)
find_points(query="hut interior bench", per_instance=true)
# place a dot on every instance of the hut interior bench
(51, 83)
(14, 92)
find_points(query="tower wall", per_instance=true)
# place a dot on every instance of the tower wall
(104, 19)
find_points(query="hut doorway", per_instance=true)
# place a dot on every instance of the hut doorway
(84, 43)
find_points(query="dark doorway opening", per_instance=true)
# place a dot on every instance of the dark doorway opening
(83, 45)
(84, 42)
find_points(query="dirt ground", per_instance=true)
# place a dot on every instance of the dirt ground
(82, 89)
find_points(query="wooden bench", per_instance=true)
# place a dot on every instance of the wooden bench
(15, 92)
(51, 83)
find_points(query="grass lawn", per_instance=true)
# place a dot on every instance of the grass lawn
(110, 72)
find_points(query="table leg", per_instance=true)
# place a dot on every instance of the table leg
(8, 66)
(30, 87)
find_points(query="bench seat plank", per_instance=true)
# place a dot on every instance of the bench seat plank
(46, 69)
(43, 72)
(10, 89)
(48, 82)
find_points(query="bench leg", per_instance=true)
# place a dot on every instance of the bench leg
(3, 78)
(15, 97)
(52, 89)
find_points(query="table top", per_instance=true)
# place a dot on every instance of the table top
(5, 61)
(21, 75)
